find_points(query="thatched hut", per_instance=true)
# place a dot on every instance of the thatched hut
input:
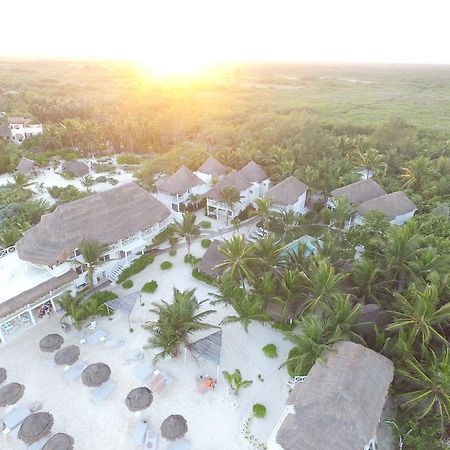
(254, 172)
(213, 167)
(359, 192)
(211, 259)
(75, 168)
(28, 167)
(339, 405)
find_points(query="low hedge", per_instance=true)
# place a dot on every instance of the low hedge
(103, 296)
(127, 284)
(138, 265)
(101, 179)
(166, 265)
(113, 181)
(191, 259)
(172, 252)
(259, 410)
(206, 224)
(270, 350)
(150, 287)
(206, 243)
(203, 277)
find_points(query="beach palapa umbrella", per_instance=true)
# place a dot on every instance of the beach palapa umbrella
(139, 399)
(2, 374)
(35, 427)
(11, 393)
(60, 441)
(174, 427)
(95, 374)
(51, 343)
(67, 355)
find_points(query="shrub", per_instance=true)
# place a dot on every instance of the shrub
(99, 168)
(206, 243)
(191, 259)
(127, 284)
(283, 326)
(112, 181)
(101, 179)
(138, 265)
(103, 296)
(172, 251)
(128, 158)
(150, 287)
(205, 224)
(259, 410)
(65, 194)
(203, 277)
(160, 237)
(166, 265)
(290, 366)
(270, 350)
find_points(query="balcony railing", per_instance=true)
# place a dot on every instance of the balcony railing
(7, 251)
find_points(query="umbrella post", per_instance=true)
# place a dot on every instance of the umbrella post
(185, 355)
(217, 373)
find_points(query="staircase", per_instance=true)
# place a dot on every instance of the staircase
(114, 274)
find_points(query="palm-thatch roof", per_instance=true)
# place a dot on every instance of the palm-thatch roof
(286, 192)
(213, 167)
(76, 168)
(51, 343)
(392, 205)
(211, 258)
(179, 182)
(105, 217)
(359, 192)
(27, 166)
(19, 120)
(60, 441)
(5, 131)
(339, 404)
(29, 296)
(234, 179)
(254, 172)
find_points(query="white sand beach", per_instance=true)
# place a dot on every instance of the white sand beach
(213, 423)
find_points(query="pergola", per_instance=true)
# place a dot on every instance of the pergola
(124, 304)
(208, 347)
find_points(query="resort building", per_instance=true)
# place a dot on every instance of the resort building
(216, 203)
(397, 207)
(357, 193)
(176, 190)
(18, 129)
(211, 170)
(47, 259)
(211, 259)
(289, 194)
(258, 177)
(75, 168)
(28, 167)
(339, 405)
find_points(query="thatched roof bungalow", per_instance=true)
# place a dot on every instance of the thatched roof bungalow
(28, 167)
(106, 217)
(358, 192)
(213, 167)
(339, 405)
(179, 182)
(254, 172)
(212, 258)
(233, 179)
(288, 194)
(75, 168)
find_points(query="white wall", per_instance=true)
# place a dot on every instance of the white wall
(397, 220)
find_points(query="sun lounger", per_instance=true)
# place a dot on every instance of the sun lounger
(143, 372)
(181, 444)
(15, 418)
(51, 360)
(158, 382)
(114, 343)
(134, 356)
(75, 371)
(139, 433)
(151, 439)
(40, 443)
(102, 392)
(96, 337)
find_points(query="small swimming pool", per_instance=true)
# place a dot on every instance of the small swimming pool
(311, 244)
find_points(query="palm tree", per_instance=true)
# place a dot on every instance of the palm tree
(341, 214)
(289, 222)
(369, 281)
(20, 185)
(230, 196)
(420, 316)
(311, 340)
(188, 229)
(175, 322)
(34, 209)
(239, 258)
(87, 181)
(236, 381)
(431, 381)
(248, 308)
(228, 291)
(267, 251)
(9, 236)
(91, 251)
(291, 285)
(72, 308)
(417, 172)
(369, 160)
(263, 208)
(427, 262)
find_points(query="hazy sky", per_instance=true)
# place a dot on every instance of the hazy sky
(194, 32)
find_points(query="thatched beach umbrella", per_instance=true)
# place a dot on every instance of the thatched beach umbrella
(35, 427)
(11, 393)
(2, 375)
(51, 343)
(67, 355)
(174, 427)
(95, 374)
(139, 399)
(60, 441)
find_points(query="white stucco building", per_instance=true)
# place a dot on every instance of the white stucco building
(258, 177)
(289, 194)
(211, 171)
(19, 128)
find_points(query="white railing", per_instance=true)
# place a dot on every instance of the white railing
(7, 251)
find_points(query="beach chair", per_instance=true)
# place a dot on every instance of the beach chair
(15, 418)
(94, 338)
(75, 371)
(40, 443)
(139, 433)
(151, 439)
(134, 356)
(102, 392)
(181, 444)
(158, 382)
(51, 360)
(143, 372)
